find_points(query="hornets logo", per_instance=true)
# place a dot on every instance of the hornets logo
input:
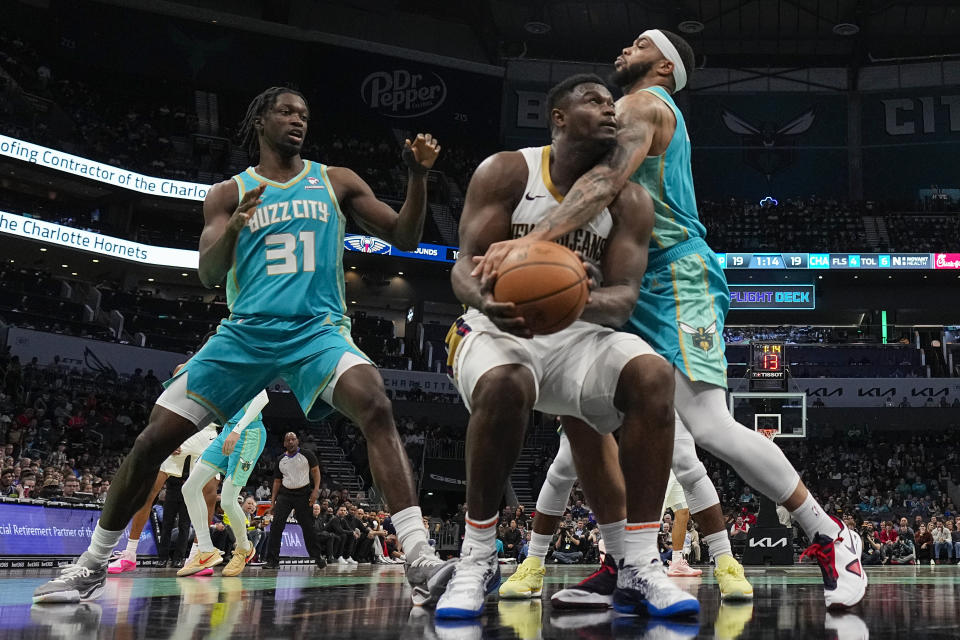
(245, 464)
(702, 337)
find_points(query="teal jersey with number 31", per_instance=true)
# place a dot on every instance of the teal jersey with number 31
(288, 261)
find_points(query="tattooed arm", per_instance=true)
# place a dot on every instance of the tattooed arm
(641, 118)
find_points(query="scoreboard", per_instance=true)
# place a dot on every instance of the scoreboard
(768, 367)
(861, 261)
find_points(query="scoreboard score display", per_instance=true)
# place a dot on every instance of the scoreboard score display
(768, 370)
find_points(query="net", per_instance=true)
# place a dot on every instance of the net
(769, 433)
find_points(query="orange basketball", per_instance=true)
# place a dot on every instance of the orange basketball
(548, 284)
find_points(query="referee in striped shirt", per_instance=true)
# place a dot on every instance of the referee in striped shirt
(296, 485)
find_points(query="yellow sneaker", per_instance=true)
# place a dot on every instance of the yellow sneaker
(525, 618)
(202, 560)
(526, 582)
(732, 619)
(729, 575)
(239, 560)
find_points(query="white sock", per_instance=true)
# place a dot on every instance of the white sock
(410, 531)
(132, 546)
(481, 534)
(719, 545)
(812, 518)
(677, 556)
(102, 544)
(640, 542)
(612, 536)
(539, 545)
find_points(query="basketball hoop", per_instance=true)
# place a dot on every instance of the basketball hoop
(769, 434)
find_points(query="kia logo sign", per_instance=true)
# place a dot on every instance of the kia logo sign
(401, 94)
(769, 543)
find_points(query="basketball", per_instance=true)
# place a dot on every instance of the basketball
(548, 284)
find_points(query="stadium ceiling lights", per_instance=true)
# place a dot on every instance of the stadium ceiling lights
(690, 26)
(846, 29)
(536, 27)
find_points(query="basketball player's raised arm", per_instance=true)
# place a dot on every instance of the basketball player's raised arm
(494, 191)
(402, 230)
(224, 216)
(638, 118)
(624, 258)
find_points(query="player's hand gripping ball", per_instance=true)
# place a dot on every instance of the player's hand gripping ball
(547, 283)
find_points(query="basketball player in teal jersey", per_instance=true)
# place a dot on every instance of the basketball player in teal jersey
(684, 301)
(274, 233)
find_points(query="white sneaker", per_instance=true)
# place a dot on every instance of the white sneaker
(932, 563)
(647, 589)
(351, 561)
(477, 574)
(122, 562)
(342, 562)
(844, 580)
(681, 569)
(847, 626)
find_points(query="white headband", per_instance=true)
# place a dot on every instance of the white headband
(670, 53)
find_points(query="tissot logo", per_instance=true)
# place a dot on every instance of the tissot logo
(402, 94)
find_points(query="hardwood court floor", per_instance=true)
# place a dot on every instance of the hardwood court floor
(372, 602)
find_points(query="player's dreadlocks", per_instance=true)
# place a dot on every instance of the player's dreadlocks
(259, 106)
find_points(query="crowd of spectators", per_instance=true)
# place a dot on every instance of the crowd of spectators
(64, 432)
(156, 131)
(869, 477)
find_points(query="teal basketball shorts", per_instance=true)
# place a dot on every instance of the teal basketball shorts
(247, 354)
(240, 463)
(681, 310)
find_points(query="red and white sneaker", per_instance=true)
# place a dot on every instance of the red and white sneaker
(203, 573)
(844, 580)
(122, 563)
(593, 592)
(681, 569)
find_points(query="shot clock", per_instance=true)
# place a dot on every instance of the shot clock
(768, 366)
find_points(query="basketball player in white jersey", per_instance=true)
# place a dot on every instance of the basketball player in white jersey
(608, 379)
(685, 287)
(173, 466)
(192, 448)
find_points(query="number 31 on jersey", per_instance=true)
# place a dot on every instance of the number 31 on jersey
(282, 246)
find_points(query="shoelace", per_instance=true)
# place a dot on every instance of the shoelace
(818, 551)
(466, 578)
(734, 569)
(603, 569)
(426, 561)
(523, 571)
(68, 571)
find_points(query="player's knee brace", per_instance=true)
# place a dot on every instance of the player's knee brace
(701, 495)
(556, 490)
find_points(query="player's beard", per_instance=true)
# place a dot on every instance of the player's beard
(627, 76)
